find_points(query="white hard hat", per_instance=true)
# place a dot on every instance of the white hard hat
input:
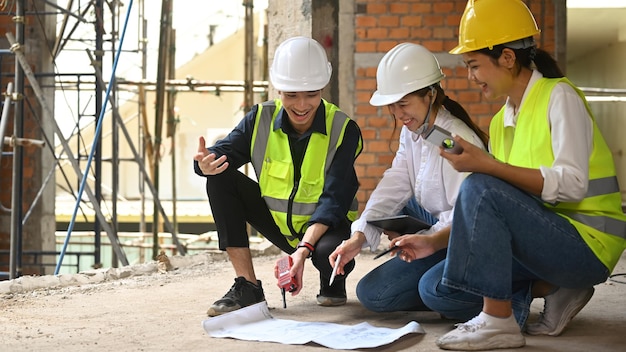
(300, 65)
(404, 69)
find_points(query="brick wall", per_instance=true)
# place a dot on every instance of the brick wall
(379, 26)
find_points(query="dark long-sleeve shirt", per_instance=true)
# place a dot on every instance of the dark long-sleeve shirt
(341, 182)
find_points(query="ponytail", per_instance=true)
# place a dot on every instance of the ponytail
(547, 65)
(459, 112)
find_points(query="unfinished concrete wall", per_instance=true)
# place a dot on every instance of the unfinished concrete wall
(316, 19)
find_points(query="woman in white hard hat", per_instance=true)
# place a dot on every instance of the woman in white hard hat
(419, 182)
(544, 211)
(303, 150)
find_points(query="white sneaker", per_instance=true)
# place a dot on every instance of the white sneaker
(559, 309)
(483, 332)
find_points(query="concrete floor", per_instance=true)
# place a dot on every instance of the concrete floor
(600, 326)
(135, 309)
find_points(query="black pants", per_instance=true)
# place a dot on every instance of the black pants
(235, 200)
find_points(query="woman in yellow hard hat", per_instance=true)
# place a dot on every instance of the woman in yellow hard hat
(544, 210)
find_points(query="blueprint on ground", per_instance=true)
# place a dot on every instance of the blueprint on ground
(255, 323)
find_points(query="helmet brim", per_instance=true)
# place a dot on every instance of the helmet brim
(378, 99)
(459, 49)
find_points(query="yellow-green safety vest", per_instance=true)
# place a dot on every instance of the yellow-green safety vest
(598, 217)
(292, 202)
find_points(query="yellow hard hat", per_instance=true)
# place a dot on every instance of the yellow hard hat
(486, 23)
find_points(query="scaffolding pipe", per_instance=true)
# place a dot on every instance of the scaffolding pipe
(144, 172)
(115, 160)
(249, 53)
(166, 25)
(178, 85)
(23, 142)
(37, 89)
(97, 139)
(4, 121)
(612, 91)
(59, 47)
(35, 86)
(143, 131)
(189, 85)
(15, 260)
(172, 122)
(120, 254)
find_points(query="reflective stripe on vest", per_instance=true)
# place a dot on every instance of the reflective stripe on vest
(607, 224)
(601, 186)
(266, 115)
(602, 223)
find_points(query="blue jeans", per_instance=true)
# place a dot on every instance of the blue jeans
(502, 240)
(393, 286)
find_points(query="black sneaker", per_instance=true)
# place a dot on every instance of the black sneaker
(331, 296)
(243, 293)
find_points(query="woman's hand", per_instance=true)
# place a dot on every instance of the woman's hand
(392, 235)
(411, 247)
(471, 159)
(474, 159)
(348, 250)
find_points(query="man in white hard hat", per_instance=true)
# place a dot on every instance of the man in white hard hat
(303, 150)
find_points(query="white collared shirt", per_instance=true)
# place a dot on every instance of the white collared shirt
(417, 171)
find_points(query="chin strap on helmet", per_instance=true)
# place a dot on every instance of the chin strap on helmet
(424, 126)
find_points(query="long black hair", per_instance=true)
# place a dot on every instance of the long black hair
(441, 99)
(543, 61)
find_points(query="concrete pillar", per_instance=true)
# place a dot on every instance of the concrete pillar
(316, 19)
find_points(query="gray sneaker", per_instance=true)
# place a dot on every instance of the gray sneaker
(559, 309)
(243, 293)
(327, 301)
(332, 296)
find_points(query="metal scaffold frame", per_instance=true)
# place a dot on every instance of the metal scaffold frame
(76, 15)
